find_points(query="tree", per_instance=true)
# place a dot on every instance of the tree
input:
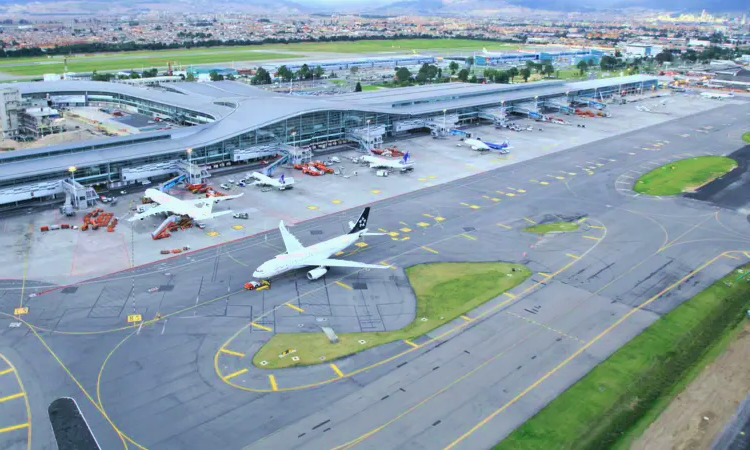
(473, 79)
(463, 75)
(134, 75)
(403, 75)
(470, 61)
(548, 70)
(318, 71)
(304, 72)
(583, 67)
(190, 77)
(512, 73)
(490, 74)
(453, 67)
(525, 74)
(608, 62)
(354, 70)
(261, 77)
(284, 73)
(150, 73)
(215, 75)
(101, 76)
(618, 54)
(358, 87)
(664, 56)
(502, 77)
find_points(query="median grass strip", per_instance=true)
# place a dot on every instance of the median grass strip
(685, 175)
(444, 291)
(746, 137)
(550, 227)
(618, 398)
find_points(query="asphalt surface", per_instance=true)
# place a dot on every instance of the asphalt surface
(187, 381)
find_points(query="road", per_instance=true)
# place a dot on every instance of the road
(186, 380)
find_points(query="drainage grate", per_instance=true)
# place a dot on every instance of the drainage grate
(469, 229)
(166, 288)
(316, 232)
(359, 286)
(69, 290)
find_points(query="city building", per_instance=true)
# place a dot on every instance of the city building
(237, 123)
(9, 109)
(41, 121)
(562, 56)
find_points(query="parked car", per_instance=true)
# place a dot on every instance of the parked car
(240, 216)
(224, 186)
(241, 184)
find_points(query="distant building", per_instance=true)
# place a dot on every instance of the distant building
(10, 104)
(41, 121)
(638, 49)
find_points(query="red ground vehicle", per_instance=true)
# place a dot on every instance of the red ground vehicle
(257, 285)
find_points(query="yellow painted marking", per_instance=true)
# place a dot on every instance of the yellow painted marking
(411, 343)
(375, 191)
(405, 230)
(421, 179)
(468, 236)
(361, 244)
(11, 397)
(510, 194)
(522, 191)
(405, 238)
(428, 215)
(512, 189)
(343, 285)
(335, 369)
(439, 219)
(133, 318)
(423, 224)
(731, 256)
(212, 233)
(534, 181)
(387, 264)
(544, 182)
(260, 327)
(237, 227)
(528, 220)
(234, 374)
(573, 256)
(545, 275)
(592, 237)
(339, 253)
(382, 230)
(14, 427)
(474, 206)
(429, 249)
(509, 295)
(582, 219)
(466, 318)
(6, 371)
(546, 327)
(336, 202)
(503, 225)
(392, 233)
(312, 207)
(272, 380)
(432, 177)
(746, 254)
(20, 311)
(500, 192)
(596, 227)
(231, 352)
(464, 204)
(294, 307)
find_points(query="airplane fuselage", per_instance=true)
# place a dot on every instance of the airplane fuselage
(177, 206)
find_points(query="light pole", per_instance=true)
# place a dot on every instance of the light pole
(294, 142)
(190, 165)
(72, 170)
(444, 119)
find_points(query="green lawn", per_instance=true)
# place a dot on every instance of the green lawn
(159, 58)
(684, 175)
(371, 87)
(746, 137)
(444, 291)
(543, 228)
(612, 404)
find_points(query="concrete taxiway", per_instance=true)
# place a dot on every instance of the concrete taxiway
(186, 380)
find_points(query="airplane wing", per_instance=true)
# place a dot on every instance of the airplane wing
(343, 263)
(149, 212)
(213, 199)
(290, 242)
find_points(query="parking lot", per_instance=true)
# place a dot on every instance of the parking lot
(64, 256)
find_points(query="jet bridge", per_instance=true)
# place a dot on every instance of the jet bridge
(565, 109)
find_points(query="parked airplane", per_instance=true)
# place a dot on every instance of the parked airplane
(484, 146)
(501, 148)
(381, 163)
(264, 180)
(717, 95)
(298, 256)
(198, 209)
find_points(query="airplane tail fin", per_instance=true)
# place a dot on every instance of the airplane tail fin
(406, 157)
(361, 223)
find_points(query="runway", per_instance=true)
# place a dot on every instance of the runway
(187, 380)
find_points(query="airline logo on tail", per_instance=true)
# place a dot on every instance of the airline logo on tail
(406, 158)
(281, 179)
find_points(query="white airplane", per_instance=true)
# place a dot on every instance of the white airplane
(717, 95)
(477, 144)
(264, 180)
(382, 163)
(485, 52)
(298, 256)
(198, 209)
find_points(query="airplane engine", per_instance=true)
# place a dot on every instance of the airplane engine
(316, 273)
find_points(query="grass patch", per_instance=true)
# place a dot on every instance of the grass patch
(620, 396)
(684, 175)
(444, 291)
(370, 87)
(543, 228)
(746, 137)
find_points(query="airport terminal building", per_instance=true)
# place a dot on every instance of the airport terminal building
(233, 123)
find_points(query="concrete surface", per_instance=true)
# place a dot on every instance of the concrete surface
(187, 381)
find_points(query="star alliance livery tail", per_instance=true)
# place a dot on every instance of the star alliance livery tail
(361, 223)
